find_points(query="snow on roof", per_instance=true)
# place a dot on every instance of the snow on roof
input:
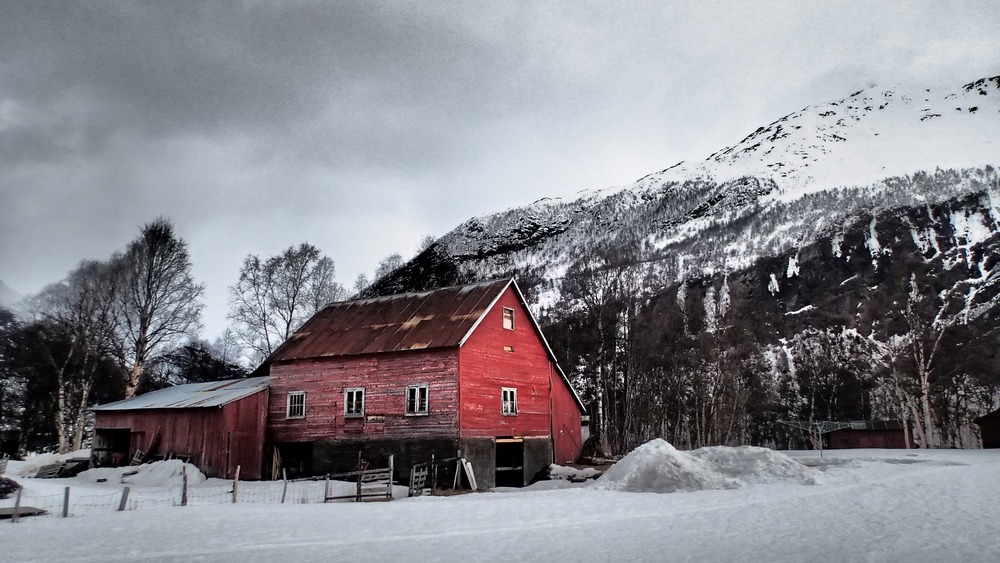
(192, 395)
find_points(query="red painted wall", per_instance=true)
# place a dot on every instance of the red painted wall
(217, 438)
(486, 367)
(566, 431)
(384, 378)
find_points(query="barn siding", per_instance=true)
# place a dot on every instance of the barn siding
(487, 367)
(202, 433)
(384, 378)
(566, 428)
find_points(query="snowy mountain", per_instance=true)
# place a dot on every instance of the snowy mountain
(10, 299)
(840, 263)
(803, 176)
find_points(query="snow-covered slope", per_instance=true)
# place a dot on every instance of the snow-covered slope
(10, 299)
(787, 184)
(870, 135)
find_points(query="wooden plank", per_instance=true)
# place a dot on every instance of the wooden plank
(468, 473)
(7, 512)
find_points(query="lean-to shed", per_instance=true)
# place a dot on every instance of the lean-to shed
(218, 425)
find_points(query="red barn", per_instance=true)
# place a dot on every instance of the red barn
(989, 429)
(459, 368)
(217, 425)
(870, 434)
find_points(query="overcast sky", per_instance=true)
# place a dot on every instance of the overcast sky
(360, 127)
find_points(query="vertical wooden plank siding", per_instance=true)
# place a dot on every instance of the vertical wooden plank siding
(487, 367)
(384, 378)
(201, 433)
(566, 431)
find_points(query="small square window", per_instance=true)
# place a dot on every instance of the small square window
(416, 399)
(508, 401)
(508, 318)
(354, 402)
(295, 406)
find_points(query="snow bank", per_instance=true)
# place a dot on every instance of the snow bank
(750, 464)
(167, 473)
(658, 467)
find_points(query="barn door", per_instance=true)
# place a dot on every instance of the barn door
(509, 462)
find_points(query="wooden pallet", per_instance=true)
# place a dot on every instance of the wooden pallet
(50, 471)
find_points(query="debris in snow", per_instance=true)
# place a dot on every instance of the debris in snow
(658, 467)
(572, 474)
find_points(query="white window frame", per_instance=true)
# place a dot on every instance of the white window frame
(349, 402)
(508, 401)
(416, 389)
(288, 404)
(504, 316)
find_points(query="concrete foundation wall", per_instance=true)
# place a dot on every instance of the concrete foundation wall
(340, 456)
(537, 457)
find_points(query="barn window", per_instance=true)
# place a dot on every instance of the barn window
(508, 318)
(508, 403)
(354, 403)
(416, 399)
(296, 405)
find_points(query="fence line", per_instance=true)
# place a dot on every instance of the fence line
(77, 503)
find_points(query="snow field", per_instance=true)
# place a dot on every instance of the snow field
(871, 505)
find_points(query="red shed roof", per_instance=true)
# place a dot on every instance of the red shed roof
(411, 321)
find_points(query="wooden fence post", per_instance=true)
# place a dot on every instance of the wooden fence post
(326, 488)
(284, 488)
(184, 491)
(121, 505)
(17, 506)
(391, 476)
(236, 484)
(66, 503)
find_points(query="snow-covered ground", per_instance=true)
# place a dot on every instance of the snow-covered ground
(871, 505)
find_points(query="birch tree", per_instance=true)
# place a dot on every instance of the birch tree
(274, 296)
(158, 302)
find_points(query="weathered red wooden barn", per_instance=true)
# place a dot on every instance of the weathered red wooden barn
(459, 368)
(217, 425)
(870, 434)
(989, 429)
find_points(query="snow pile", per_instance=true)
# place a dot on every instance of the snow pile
(167, 473)
(750, 464)
(658, 467)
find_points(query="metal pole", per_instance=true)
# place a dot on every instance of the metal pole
(66, 503)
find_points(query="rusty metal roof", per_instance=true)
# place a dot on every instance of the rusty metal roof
(191, 395)
(410, 321)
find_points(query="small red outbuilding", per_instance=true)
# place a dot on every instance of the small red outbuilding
(217, 425)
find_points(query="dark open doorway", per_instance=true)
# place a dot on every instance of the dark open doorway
(510, 462)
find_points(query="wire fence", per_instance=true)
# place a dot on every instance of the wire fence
(87, 501)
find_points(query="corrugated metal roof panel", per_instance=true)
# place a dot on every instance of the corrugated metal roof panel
(192, 395)
(409, 321)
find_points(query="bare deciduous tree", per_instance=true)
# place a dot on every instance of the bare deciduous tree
(274, 297)
(158, 300)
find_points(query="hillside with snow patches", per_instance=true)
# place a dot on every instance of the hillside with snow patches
(802, 177)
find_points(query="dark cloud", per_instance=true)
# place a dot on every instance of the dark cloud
(362, 126)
